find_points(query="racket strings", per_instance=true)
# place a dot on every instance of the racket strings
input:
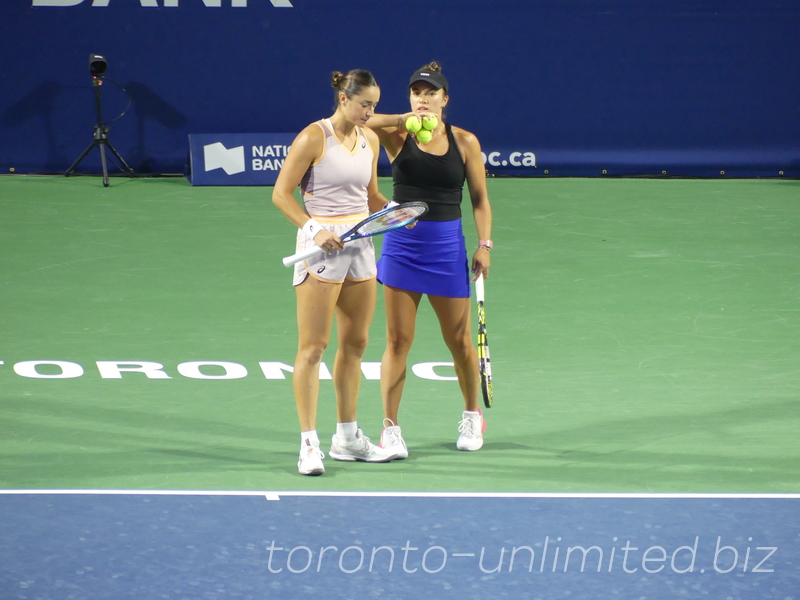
(394, 219)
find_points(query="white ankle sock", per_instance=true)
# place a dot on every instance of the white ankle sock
(347, 431)
(310, 436)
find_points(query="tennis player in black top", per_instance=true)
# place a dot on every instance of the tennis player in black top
(431, 258)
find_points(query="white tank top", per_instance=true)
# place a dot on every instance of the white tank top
(336, 185)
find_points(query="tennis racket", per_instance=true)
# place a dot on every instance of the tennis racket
(484, 363)
(377, 223)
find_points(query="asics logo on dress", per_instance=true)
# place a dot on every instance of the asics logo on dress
(321, 269)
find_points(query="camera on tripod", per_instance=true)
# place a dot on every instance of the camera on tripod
(97, 69)
(97, 65)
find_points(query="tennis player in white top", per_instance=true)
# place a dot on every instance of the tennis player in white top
(334, 162)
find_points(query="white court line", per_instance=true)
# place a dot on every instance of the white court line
(277, 495)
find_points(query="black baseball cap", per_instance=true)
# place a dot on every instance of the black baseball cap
(435, 78)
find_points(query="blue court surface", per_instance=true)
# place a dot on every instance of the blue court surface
(60, 544)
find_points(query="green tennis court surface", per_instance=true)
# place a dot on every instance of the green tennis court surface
(645, 337)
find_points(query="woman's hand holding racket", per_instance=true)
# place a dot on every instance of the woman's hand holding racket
(377, 223)
(480, 264)
(328, 241)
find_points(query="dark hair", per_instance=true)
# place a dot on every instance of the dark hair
(432, 66)
(351, 83)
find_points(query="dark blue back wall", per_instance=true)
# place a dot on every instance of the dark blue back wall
(626, 86)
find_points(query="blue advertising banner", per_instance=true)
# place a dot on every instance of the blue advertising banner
(578, 87)
(237, 158)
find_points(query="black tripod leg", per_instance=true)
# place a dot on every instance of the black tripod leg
(119, 158)
(79, 159)
(103, 162)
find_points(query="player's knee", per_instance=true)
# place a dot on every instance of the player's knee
(356, 346)
(399, 344)
(312, 353)
(460, 345)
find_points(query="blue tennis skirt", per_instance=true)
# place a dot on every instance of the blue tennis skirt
(430, 258)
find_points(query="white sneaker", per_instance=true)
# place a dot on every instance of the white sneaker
(310, 462)
(392, 440)
(359, 449)
(471, 429)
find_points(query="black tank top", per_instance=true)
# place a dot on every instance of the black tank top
(437, 180)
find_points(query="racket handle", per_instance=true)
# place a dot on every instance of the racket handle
(479, 294)
(296, 258)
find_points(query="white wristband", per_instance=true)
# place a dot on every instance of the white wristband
(311, 228)
(390, 204)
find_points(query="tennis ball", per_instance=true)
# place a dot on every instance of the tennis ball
(413, 124)
(429, 122)
(424, 136)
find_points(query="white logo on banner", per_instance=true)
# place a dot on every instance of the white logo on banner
(217, 156)
(514, 159)
(155, 4)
